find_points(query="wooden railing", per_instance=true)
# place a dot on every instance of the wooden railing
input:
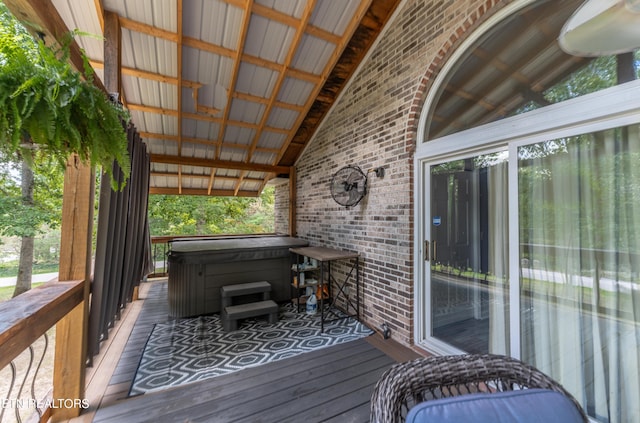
(23, 321)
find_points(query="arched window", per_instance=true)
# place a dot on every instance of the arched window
(516, 67)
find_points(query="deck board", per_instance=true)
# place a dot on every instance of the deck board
(330, 384)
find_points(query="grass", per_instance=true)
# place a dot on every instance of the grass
(6, 292)
(11, 268)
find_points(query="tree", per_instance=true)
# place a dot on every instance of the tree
(49, 111)
(198, 215)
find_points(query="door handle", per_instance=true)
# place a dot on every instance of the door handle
(426, 250)
(434, 250)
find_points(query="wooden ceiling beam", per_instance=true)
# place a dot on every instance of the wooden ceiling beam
(223, 164)
(331, 63)
(201, 176)
(246, 18)
(150, 30)
(179, 86)
(202, 141)
(362, 38)
(202, 117)
(293, 48)
(294, 22)
(153, 76)
(202, 191)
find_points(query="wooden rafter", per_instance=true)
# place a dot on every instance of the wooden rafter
(179, 87)
(323, 85)
(362, 38)
(301, 25)
(201, 176)
(234, 73)
(225, 164)
(199, 191)
(355, 21)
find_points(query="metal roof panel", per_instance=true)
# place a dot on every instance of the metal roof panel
(268, 39)
(246, 111)
(295, 91)
(256, 80)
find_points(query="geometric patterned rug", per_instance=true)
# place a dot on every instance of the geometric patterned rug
(187, 350)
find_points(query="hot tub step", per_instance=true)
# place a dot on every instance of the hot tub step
(231, 314)
(228, 292)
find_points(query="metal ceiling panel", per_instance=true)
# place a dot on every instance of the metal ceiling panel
(155, 146)
(334, 16)
(268, 40)
(212, 21)
(206, 67)
(201, 151)
(158, 13)
(250, 185)
(224, 184)
(207, 131)
(272, 140)
(239, 135)
(233, 66)
(233, 154)
(148, 53)
(295, 91)
(282, 118)
(313, 54)
(262, 157)
(84, 19)
(256, 80)
(293, 8)
(245, 111)
(230, 173)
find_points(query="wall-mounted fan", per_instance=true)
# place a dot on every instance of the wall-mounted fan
(349, 186)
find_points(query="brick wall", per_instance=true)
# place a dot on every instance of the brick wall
(375, 125)
(281, 208)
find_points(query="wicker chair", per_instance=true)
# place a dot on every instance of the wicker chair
(405, 385)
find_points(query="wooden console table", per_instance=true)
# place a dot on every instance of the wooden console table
(325, 256)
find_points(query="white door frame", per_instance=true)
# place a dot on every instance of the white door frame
(613, 107)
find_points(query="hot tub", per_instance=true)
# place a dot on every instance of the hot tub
(199, 267)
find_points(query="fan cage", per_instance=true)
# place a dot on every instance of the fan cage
(348, 186)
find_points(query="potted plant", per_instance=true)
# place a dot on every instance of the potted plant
(49, 110)
(46, 107)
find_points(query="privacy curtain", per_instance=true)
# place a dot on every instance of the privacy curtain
(123, 247)
(580, 298)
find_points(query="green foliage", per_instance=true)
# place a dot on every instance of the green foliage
(197, 215)
(20, 219)
(597, 75)
(44, 100)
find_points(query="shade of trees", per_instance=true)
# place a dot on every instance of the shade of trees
(198, 215)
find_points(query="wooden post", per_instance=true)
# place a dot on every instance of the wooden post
(75, 264)
(292, 201)
(112, 52)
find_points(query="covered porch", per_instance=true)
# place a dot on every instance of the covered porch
(330, 384)
(448, 104)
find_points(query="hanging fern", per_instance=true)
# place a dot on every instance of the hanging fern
(42, 98)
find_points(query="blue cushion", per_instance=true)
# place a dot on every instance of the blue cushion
(526, 406)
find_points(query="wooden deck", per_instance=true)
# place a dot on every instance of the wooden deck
(332, 384)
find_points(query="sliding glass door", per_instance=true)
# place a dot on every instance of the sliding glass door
(534, 252)
(467, 252)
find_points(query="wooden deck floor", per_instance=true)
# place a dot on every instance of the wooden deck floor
(332, 384)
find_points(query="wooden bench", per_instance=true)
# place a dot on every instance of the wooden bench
(230, 313)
